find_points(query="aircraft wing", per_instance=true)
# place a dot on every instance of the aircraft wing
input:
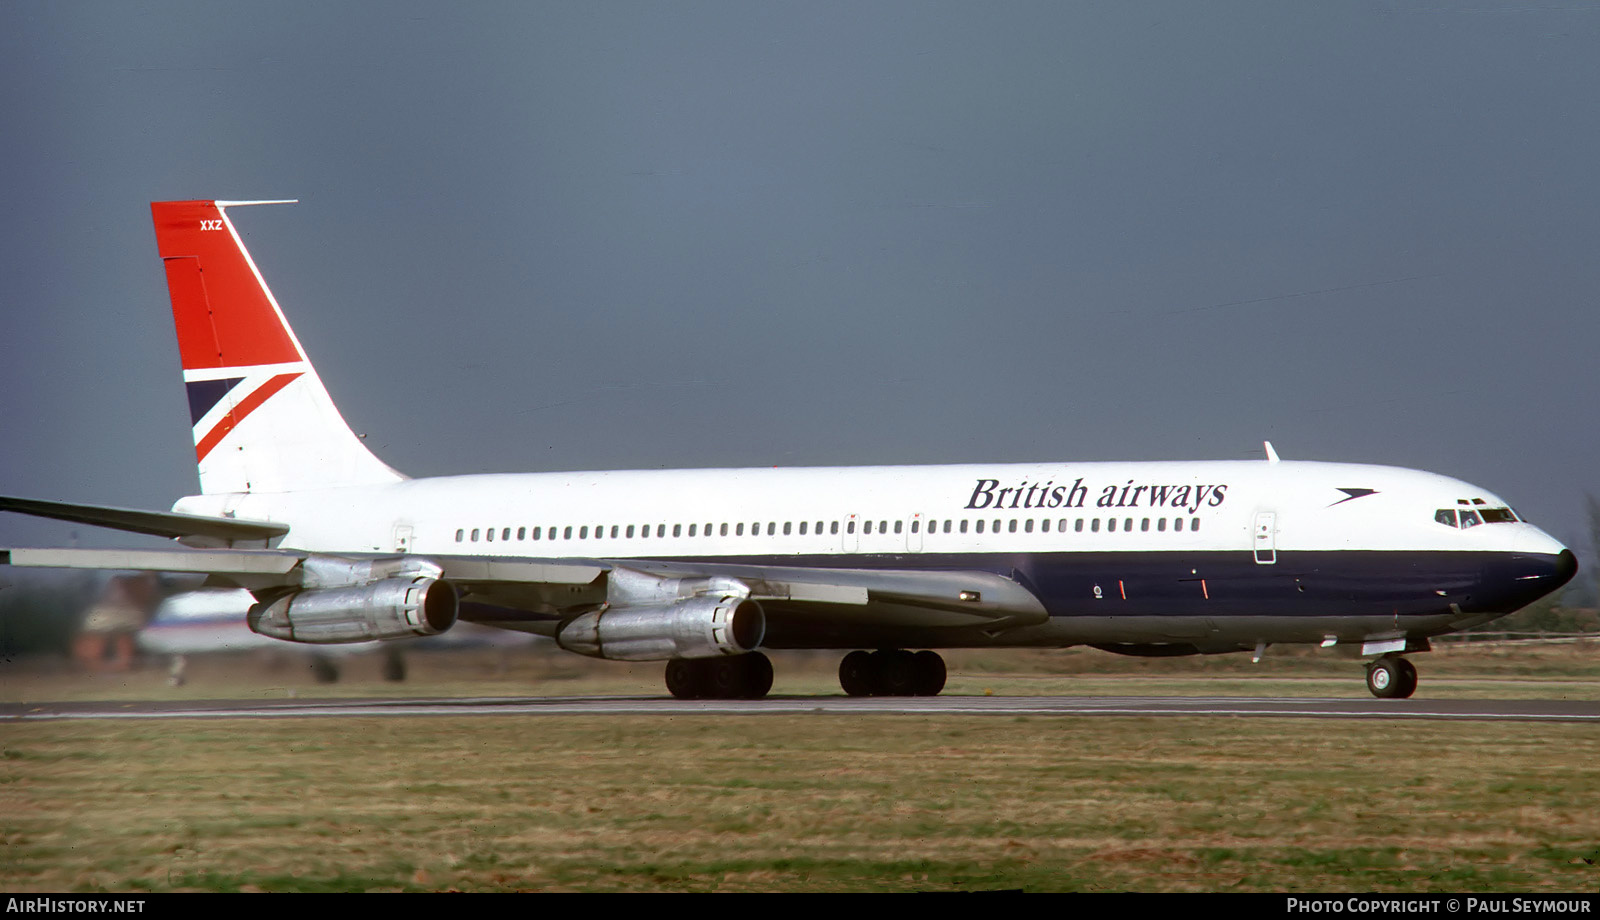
(516, 592)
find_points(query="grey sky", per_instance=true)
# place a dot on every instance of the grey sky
(615, 235)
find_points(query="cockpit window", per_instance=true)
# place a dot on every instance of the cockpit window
(1472, 518)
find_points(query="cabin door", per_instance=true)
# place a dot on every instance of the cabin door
(1266, 538)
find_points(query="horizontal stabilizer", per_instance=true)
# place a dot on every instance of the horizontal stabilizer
(228, 562)
(157, 523)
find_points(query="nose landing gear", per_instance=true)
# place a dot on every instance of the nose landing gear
(1392, 678)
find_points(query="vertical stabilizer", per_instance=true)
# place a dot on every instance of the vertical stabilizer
(262, 420)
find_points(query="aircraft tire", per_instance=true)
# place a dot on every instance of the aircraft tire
(930, 673)
(757, 675)
(857, 675)
(324, 670)
(1385, 678)
(897, 672)
(685, 679)
(394, 666)
(1408, 678)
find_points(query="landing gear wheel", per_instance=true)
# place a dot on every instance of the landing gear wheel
(897, 672)
(394, 665)
(757, 675)
(742, 677)
(1391, 678)
(1408, 674)
(684, 679)
(857, 675)
(324, 670)
(930, 673)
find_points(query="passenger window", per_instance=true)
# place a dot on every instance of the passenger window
(661, 530)
(630, 531)
(963, 525)
(677, 530)
(460, 535)
(583, 532)
(522, 533)
(724, 529)
(786, 528)
(1127, 524)
(803, 527)
(738, 530)
(1044, 526)
(898, 525)
(1013, 526)
(947, 527)
(536, 531)
(1161, 524)
(980, 525)
(505, 534)
(489, 534)
(691, 529)
(1144, 525)
(850, 527)
(914, 525)
(566, 532)
(1094, 526)
(1194, 524)
(1111, 525)
(1078, 527)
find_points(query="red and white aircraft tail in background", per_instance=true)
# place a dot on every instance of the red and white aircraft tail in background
(701, 568)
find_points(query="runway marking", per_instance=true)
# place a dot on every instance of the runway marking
(1320, 708)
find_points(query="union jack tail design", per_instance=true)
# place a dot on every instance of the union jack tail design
(262, 420)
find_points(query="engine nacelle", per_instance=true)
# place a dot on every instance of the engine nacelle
(695, 627)
(393, 608)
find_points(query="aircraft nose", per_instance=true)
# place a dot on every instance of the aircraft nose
(1566, 567)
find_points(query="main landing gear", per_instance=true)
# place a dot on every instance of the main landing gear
(1392, 678)
(740, 677)
(892, 672)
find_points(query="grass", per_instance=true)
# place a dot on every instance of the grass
(808, 802)
(769, 803)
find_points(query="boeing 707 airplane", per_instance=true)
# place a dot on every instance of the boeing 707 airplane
(704, 568)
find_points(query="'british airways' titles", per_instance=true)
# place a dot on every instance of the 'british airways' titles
(990, 494)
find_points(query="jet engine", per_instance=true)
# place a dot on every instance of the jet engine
(393, 608)
(703, 626)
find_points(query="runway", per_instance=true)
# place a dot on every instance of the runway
(1244, 707)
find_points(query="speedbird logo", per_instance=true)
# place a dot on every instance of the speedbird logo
(988, 493)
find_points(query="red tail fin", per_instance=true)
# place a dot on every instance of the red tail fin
(262, 420)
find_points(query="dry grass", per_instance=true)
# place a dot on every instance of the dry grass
(800, 803)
